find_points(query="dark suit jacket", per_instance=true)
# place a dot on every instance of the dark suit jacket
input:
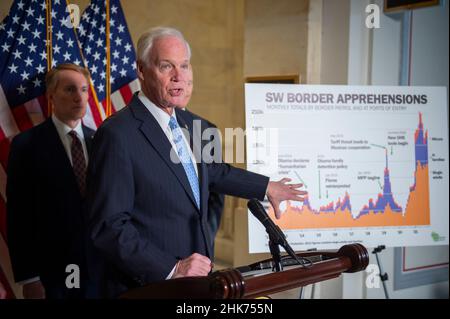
(46, 229)
(142, 212)
(216, 201)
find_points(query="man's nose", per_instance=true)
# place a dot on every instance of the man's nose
(178, 74)
(77, 95)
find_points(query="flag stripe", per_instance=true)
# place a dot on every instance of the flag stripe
(34, 111)
(126, 93)
(22, 119)
(7, 122)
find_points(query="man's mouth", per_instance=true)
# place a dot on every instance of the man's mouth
(176, 92)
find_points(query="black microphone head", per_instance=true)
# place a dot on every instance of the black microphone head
(257, 210)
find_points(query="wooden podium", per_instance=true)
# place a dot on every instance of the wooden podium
(234, 284)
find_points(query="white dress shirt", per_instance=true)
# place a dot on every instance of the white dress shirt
(163, 120)
(63, 132)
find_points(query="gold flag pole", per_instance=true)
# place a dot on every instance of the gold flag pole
(108, 63)
(48, 43)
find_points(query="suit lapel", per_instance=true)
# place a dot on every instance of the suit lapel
(56, 156)
(88, 136)
(156, 137)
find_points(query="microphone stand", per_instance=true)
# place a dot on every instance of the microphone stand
(275, 251)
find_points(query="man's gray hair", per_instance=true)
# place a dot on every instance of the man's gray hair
(147, 39)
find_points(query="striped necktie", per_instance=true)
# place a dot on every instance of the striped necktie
(185, 158)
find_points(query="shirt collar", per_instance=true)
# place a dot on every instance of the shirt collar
(161, 117)
(63, 129)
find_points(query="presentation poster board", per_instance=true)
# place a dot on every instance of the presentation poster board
(373, 159)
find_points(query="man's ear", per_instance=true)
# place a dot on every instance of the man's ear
(49, 96)
(140, 70)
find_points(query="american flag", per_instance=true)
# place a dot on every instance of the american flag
(23, 63)
(92, 36)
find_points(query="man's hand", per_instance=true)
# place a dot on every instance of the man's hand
(194, 265)
(34, 290)
(281, 191)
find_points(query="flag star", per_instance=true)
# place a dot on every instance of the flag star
(125, 59)
(5, 47)
(30, 12)
(2, 26)
(40, 69)
(104, 16)
(96, 9)
(32, 47)
(116, 54)
(10, 33)
(77, 62)
(93, 24)
(21, 89)
(118, 41)
(127, 47)
(96, 56)
(56, 49)
(112, 79)
(12, 68)
(70, 43)
(57, 2)
(25, 75)
(123, 73)
(40, 20)
(121, 28)
(54, 62)
(53, 14)
(43, 55)
(36, 34)
(104, 61)
(102, 29)
(88, 50)
(21, 39)
(82, 31)
(101, 88)
(16, 19)
(99, 42)
(17, 54)
(114, 67)
(60, 35)
(103, 75)
(29, 62)
(112, 22)
(67, 56)
(43, 6)
(94, 69)
(20, 4)
(114, 9)
(26, 26)
(91, 37)
(134, 66)
(37, 82)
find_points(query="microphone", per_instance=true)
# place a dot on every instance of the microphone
(272, 229)
(275, 233)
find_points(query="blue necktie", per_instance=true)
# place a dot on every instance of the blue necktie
(185, 158)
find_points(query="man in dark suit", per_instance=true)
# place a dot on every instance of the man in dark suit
(148, 190)
(46, 189)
